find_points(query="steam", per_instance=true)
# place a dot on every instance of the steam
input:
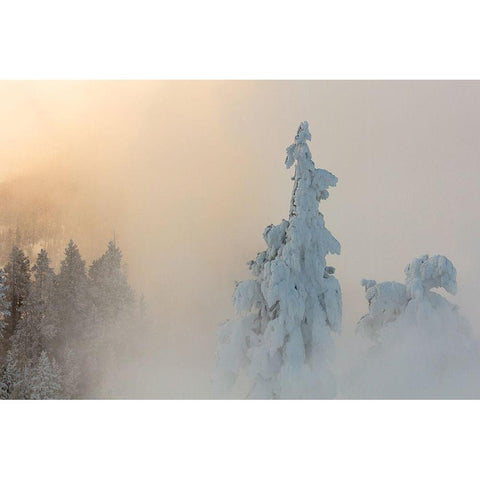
(186, 177)
(416, 359)
(418, 345)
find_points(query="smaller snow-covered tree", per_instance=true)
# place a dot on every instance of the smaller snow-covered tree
(386, 301)
(11, 377)
(113, 303)
(389, 301)
(422, 346)
(71, 299)
(44, 277)
(72, 307)
(3, 303)
(111, 292)
(17, 286)
(46, 379)
(41, 302)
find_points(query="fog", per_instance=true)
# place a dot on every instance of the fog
(188, 174)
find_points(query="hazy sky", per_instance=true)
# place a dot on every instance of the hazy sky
(189, 174)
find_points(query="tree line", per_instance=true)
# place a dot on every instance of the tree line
(62, 333)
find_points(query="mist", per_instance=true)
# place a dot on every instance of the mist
(187, 174)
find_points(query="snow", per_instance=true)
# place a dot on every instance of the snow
(3, 303)
(387, 301)
(420, 344)
(425, 273)
(281, 331)
(63, 332)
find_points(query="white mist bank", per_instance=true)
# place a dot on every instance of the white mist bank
(187, 175)
(413, 343)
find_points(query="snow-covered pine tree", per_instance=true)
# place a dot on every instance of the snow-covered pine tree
(17, 290)
(71, 300)
(44, 277)
(41, 303)
(17, 284)
(281, 332)
(113, 313)
(419, 345)
(72, 306)
(45, 379)
(3, 303)
(111, 292)
(10, 377)
(413, 301)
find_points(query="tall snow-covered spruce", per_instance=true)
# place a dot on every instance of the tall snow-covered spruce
(280, 335)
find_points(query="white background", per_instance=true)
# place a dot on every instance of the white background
(241, 40)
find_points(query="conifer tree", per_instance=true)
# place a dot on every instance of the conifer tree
(45, 380)
(17, 284)
(71, 298)
(44, 277)
(113, 312)
(417, 344)
(391, 303)
(3, 304)
(16, 290)
(10, 377)
(280, 334)
(42, 297)
(112, 294)
(72, 305)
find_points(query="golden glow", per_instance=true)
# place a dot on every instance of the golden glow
(189, 174)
